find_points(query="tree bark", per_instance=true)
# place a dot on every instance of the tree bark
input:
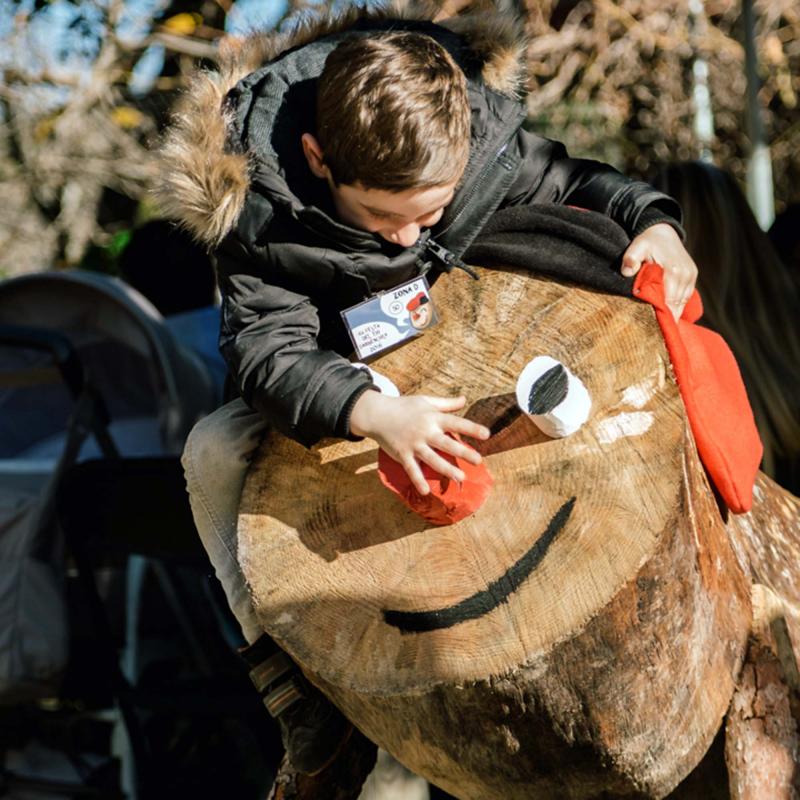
(581, 633)
(768, 542)
(762, 746)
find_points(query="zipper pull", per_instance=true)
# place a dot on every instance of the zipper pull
(449, 260)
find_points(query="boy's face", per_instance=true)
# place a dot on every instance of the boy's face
(398, 217)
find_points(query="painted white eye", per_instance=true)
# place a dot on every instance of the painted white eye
(381, 381)
(552, 397)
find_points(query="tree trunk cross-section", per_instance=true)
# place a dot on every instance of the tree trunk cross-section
(581, 632)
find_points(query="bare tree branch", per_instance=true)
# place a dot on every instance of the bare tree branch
(197, 48)
(611, 78)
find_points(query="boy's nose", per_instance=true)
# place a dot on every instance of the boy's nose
(405, 236)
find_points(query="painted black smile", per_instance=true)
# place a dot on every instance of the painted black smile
(489, 598)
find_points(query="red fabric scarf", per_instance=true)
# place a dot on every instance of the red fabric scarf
(713, 393)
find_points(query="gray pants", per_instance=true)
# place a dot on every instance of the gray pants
(215, 461)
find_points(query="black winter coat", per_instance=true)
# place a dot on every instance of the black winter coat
(287, 266)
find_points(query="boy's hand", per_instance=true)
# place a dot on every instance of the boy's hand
(661, 243)
(409, 428)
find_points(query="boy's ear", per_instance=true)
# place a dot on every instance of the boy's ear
(315, 157)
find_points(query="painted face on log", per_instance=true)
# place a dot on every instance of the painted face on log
(361, 590)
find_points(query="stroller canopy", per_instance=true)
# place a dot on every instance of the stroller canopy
(153, 388)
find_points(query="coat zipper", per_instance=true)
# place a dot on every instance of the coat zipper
(449, 260)
(477, 185)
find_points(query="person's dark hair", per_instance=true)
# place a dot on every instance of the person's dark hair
(393, 113)
(785, 237)
(168, 267)
(748, 297)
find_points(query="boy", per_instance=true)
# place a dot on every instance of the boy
(346, 160)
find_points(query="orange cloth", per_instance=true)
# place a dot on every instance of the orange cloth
(447, 502)
(713, 393)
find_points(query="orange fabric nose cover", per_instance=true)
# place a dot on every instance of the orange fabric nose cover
(447, 502)
(713, 393)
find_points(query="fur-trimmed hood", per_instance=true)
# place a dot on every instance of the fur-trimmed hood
(204, 183)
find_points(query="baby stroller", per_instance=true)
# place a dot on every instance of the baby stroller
(94, 394)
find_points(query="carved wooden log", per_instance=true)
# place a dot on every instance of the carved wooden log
(580, 633)
(768, 542)
(762, 747)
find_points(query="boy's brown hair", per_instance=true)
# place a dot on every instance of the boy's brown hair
(393, 113)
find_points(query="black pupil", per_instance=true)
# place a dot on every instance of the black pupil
(548, 390)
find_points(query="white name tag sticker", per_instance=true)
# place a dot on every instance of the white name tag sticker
(390, 318)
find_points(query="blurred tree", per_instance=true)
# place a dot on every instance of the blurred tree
(85, 86)
(614, 80)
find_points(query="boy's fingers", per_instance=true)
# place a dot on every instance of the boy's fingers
(684, 295)
(633, 258)
(455, 448)
(630, 268)
(446, 403)
(677, 310)
(465, 427)
(441, 465)
(672, 290)
(678, 291)
(416, 477)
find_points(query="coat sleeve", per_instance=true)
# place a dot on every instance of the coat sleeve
(548, 175)
(268, 338)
